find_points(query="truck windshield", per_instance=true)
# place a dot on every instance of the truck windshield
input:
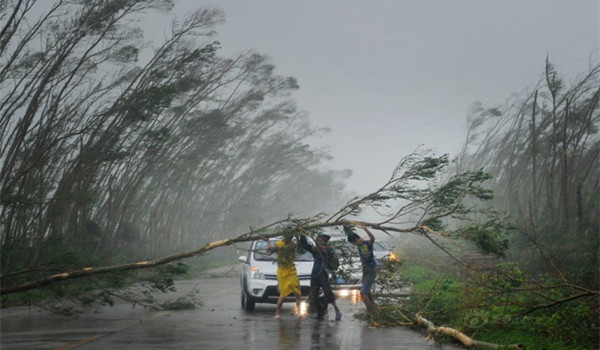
(260, 253)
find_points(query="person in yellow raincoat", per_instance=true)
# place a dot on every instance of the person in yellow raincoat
(287, 276)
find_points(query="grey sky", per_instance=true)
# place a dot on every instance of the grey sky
(387, 76)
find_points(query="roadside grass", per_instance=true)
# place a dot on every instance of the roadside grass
(441, 297)
(531, 339)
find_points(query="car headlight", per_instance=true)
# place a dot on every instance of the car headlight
(256, 274)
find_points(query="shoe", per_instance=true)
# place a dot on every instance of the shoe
(338, 317)
(277, 317)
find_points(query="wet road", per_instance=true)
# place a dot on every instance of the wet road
(219, 324)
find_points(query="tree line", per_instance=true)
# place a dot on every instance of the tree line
(542, 149)
(115, 150)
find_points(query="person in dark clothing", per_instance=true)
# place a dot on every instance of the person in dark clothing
(319, 278)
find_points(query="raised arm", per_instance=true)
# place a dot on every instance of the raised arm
(303, 243)
(371, 236)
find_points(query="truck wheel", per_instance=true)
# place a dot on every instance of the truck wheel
(247, 304)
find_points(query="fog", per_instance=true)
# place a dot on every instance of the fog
(384, 79)
(389, 76)
(128, 134)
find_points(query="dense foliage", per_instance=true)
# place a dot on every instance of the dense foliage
(543, 151)
(111, 151)
(542, 290)
(449, 299)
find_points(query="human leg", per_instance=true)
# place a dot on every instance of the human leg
(284, 289)
(367, 283)
(298, 304)
(278, 307)
(289, 283)
(329, 296)
(313, 296)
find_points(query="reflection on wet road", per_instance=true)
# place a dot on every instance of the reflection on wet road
(219, 324)
(351, 294)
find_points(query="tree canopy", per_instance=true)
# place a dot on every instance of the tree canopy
(114, 149)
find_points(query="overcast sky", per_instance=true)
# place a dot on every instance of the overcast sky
(388, 76)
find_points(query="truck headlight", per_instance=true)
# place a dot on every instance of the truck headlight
(256, 274)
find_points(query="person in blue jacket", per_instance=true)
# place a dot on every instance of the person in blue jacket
(365, 250)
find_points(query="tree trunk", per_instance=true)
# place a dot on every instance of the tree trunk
(461, 337)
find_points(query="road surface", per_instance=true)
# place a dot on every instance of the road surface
(219, 324)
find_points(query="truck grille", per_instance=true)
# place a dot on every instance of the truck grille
(274, 277)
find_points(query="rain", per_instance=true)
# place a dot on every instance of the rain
(147, 147)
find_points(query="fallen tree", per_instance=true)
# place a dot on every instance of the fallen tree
(412, 190)
(249, 236)
(464, 339)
